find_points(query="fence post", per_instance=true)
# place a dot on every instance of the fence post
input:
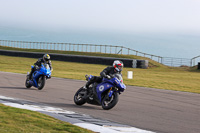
(82, 48)
(194, 62)
(69, 47)
(90, 48)
(47, 46)
(35, 45)
(25, 45)
(30, 45)
(53, 46)
(12, 44)
(128, 50)
(121, 50)
(65, 46)
(21, 46)
(7, 43)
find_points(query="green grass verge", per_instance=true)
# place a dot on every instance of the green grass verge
(179, 79)
(152, 63)
(14, 120)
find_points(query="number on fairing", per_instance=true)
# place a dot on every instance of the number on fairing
(101, 88)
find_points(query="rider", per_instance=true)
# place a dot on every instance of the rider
(106, 73)
(45, 59)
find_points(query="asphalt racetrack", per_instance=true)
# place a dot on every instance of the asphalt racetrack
(156, 110)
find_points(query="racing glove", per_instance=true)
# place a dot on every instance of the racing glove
(108, 77)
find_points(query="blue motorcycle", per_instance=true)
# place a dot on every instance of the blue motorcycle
(38, 77)
(104, 94)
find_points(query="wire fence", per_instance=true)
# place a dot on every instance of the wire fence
(108, 49)
(174, 62)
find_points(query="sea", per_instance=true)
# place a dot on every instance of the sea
(174, 44)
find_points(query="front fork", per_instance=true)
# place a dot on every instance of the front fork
(110, 92)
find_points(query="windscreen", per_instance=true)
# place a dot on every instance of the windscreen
(46, 66)
(119, 76)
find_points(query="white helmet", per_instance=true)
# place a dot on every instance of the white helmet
(118, 65)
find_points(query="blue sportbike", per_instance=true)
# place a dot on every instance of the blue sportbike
(38, 77)
(104, 94)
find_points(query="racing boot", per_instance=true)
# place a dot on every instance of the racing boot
(30, 74)
(87, 88)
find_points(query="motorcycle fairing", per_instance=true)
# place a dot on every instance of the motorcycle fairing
(37, 73)
(102, 87)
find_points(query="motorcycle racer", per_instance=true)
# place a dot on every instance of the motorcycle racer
(106, 73)
(37, 64)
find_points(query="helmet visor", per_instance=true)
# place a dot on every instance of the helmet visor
(120, 67)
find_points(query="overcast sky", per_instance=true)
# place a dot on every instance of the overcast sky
(111, 15)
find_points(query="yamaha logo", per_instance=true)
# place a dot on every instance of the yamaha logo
(101, 88)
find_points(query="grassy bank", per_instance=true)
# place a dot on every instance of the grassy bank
(14, 120)
(179, 79)
(152, 63)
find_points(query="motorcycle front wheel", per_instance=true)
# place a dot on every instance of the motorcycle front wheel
(109, 102)
(41, 82)
(79, 97)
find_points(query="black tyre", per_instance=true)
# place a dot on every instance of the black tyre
(79, 97)
(109, 102)
(41, 82)
(27, 84)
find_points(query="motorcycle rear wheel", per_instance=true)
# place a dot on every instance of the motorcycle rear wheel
(79, 97)
(27, 84)
(109, 102)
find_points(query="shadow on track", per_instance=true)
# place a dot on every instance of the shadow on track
(22, 88)
(73, 106)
